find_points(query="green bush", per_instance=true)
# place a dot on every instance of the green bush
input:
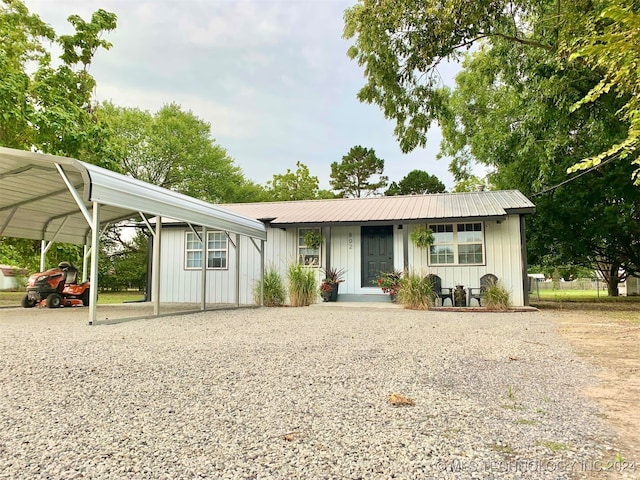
(496, 297)
(415, 292)
(275, 293)
(303, 286)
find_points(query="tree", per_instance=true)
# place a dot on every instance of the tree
(401, 44)
(173, 149)
(298, 185)
(44, 107)
(416, 182)
(20, 252)
(351, 177)
(123, 261)
(611, 44)
(47, 107)
(512, 110)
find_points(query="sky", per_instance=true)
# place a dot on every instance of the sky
(271, 77)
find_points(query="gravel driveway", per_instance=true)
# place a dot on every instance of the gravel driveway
(295, 393)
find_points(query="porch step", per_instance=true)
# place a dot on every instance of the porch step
(350, 297)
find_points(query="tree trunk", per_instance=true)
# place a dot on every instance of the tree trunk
(613, 280)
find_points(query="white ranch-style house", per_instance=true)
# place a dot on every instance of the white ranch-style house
(475, 233)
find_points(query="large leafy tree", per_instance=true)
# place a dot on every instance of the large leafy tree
(47, 105)
(531, 102)
(173, 149)
(513, 110)
(355, 175)
(401, 44)
(610, 43)
(416, 182)
(123, 260)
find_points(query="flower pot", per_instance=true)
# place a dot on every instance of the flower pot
(393, 297)
(330, 295)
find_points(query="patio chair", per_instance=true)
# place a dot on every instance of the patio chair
(438, 291)
(478, 293)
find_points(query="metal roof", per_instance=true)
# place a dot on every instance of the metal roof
(395, 209)
(35, 203)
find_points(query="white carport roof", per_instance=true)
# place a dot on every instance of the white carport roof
(35, 203)
(51, 198)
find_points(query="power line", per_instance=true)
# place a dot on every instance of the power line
(610, 159)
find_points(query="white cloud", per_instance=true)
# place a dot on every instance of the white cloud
(225, 121)
(270, 76)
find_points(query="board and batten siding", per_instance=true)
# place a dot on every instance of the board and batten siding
(502, 255)
(177, 284)
(346, 253)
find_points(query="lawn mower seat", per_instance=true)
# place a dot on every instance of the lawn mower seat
(70, 273)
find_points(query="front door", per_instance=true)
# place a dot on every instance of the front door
(377, 253)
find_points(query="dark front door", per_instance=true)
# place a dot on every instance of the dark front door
(377, 253)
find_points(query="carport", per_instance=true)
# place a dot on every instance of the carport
(59, 199)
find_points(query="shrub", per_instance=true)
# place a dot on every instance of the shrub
(274, 291)
(497, 297)
(302, 285)
(415, 292)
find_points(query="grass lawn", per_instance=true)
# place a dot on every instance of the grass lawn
(625, 309)
(580, 296)
(12, 299)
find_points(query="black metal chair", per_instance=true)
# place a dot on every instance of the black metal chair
(478, 293)
(438, 291)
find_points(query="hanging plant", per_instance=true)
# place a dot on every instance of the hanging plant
(312, 239)
(422, 237)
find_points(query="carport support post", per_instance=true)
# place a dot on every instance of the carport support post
(205, 260)
(237, 269)
(155, 280)
(85, 262)
(43, 254)
(95, 240)
(262, 273)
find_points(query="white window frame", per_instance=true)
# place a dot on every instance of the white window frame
(212, 236)
(303, 252)
(456, 242)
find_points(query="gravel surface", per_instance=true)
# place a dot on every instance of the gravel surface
(295, 393)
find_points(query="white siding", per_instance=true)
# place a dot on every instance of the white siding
(502, 257)
(178, 284)
(346, 253)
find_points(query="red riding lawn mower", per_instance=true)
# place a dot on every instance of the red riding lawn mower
(57, 287)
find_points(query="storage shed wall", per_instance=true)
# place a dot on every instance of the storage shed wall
(177, 284)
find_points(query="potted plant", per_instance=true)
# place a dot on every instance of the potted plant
(390, 282)
(312, 239)
(422, 237)
(333, 277)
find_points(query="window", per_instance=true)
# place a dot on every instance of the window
(306, 255)
(457, 244)
(216, 251)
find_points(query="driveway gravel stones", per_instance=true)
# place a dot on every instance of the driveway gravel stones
(297, 393)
